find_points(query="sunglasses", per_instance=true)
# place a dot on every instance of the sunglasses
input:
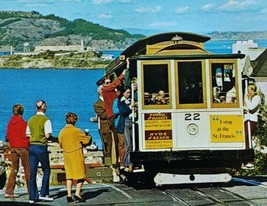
(107, 82)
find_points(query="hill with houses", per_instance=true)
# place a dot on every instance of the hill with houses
(18, 28)
(35, 29)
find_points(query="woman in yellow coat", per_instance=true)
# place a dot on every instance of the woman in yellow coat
(71, 139)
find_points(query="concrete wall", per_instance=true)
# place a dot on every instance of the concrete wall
(58, 48)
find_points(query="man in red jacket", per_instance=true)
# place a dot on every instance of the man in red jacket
(109, 93)
(19, 144)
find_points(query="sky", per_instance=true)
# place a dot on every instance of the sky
(200, 16)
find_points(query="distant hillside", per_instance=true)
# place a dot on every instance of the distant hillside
(17, 28)
(144, 31)
(230, 35)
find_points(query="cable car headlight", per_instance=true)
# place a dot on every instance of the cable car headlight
(192, 129)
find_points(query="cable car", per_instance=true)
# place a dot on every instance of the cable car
(189, 123)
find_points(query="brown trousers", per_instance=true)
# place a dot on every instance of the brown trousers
(16, 155)
(121, 148)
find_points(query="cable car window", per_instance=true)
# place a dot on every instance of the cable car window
(223, 83)
(190, 82)
(156, 84)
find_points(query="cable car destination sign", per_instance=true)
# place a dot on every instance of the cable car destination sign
(158, 131)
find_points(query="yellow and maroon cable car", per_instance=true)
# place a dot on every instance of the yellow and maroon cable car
(189, 124)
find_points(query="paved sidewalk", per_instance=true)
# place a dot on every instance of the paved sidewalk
(59, 193)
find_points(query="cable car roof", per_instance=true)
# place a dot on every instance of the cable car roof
(138, 50)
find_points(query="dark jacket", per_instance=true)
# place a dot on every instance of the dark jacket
(125, 111)
(105, 123)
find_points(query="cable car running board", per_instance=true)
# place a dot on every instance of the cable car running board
(171, 179)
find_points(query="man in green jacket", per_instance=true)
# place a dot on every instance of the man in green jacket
(39, 129)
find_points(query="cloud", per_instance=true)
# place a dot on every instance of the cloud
(236, 5)
(44, 2)
(99, 2)
(156, 9)
(182, 10)
(34, 3)
(71, 0)
(263, 11)
(125, 1)
(25, 1)
(162, 24)
(208, 7)
(104, 16)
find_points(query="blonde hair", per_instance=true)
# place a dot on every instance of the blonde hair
(134, 80)
(253, 87)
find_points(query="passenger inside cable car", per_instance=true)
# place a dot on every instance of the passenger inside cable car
(223, 83)
(159, 98)
(156, 84)
(190, 82)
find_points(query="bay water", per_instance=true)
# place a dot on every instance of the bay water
(69, 90)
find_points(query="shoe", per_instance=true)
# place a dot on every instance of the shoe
(70, 199)
(79, 199)
(46, 198)
(34, 201)
(248, 166)
(122, 167)
(11, 196)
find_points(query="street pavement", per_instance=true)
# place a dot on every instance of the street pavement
(237, 192)
(90, 192)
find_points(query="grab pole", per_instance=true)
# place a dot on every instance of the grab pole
(133, 117)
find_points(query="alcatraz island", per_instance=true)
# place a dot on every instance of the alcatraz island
(63, 58)
(31, 40)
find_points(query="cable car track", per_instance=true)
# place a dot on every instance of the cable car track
(215, 195)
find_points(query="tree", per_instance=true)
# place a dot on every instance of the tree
(260, 140)
(261, 132)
